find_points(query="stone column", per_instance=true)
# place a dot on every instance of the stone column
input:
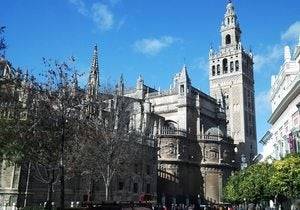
(198, 126)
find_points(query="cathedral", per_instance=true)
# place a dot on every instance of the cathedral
(206, 137)
(200, 139)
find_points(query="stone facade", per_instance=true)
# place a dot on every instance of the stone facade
(232, 84)
(284, 135)
(192, 153)
(195, 155)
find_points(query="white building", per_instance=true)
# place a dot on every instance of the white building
(284, 137)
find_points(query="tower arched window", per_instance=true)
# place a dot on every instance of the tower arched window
(228, 39)
(225, 66)
(237, 66)
(231, 66)
(213, 70)
(218, 69)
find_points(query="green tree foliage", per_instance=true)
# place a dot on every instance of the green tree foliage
(231, 191)
(252, 184)
(255, 185)
(286, 179)
(263, 181)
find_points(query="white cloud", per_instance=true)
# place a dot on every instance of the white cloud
(102, 16)
(270, 57)
(273, 55)
(153, 46)
(292, 33)
(100, 13)
(80, 5)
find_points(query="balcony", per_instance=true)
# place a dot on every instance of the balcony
(209, 137)
(172, 132)
(168, 176)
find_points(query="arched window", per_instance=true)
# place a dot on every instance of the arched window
(170, 124)
(237, 66)
(231, 66)
(228, 39)
(213, 70)
(218, 69)
(225, 66)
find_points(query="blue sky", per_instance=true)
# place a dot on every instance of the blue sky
(149, 37)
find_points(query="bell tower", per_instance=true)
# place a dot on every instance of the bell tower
(231, 73)
(230, 29)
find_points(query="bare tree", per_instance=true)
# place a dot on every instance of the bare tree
(60, 106)
(108, 146)
(42, 123)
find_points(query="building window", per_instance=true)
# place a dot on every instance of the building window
(228, 39)
(213, 70)
(148, 188)
(136, 168)
(121, 186)
(181, 88)
(231, 66)
(148, 170)
(286, 127)
(225, 66)
(135, 187)
(295, 119)
(237, 66)
(218, 69)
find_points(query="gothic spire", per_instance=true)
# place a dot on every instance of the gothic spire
(184, 74)
(95, 59)
(93, 83)
(140, 83)
(75, 82)
(120, 86)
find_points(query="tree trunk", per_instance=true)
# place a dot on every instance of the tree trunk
(107, 182)
(48, 205)
(62, 170)
(106, 191)
(90, 192)
(27, 185)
